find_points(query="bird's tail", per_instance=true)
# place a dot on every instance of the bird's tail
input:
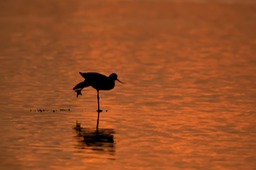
(79, 87)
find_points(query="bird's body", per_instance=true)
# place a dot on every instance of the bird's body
(97, 81)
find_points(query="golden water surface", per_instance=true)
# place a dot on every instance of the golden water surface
(189, 98)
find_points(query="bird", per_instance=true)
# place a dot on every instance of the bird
(98, 82)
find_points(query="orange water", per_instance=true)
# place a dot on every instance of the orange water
(188, 101)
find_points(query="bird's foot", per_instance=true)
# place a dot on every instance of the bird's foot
(78, 92)
(99, 110)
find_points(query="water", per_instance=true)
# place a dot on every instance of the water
(188, 101)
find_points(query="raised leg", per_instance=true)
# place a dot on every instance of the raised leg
(79, 87)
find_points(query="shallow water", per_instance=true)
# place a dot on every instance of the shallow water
(188, 101)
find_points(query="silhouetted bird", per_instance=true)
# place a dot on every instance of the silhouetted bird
(97, 81)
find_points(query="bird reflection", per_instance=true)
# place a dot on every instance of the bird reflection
(101, 140)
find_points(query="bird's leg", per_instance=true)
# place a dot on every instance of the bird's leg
(98, 98)
(98, 119)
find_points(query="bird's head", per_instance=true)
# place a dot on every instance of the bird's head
(113, 76)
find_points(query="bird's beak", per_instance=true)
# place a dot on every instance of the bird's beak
(120, 81)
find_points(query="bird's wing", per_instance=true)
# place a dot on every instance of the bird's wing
(91, 75)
